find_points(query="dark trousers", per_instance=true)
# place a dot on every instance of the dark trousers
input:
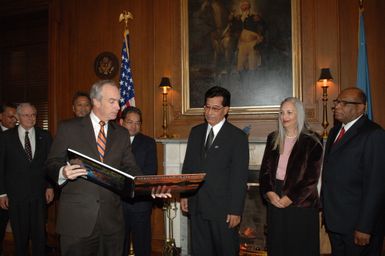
(138, 228)
(28, 223)
(97, 243)
(3, 225)
(343, 245)
(213, 237)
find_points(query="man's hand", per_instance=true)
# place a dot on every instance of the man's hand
(285, 201)
(233, 220)
(161, 191)
(184, 204)
(361, 239)
(274, 199)
(71, 172)
(49, 195)
(4, 202)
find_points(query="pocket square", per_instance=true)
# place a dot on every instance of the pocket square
(216, 146)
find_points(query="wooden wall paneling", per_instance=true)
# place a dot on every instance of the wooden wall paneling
(142, 57)
(311, 93)
(375, 40)
(327, 51)
(348, 27)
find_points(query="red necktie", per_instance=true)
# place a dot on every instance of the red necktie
(342, 132)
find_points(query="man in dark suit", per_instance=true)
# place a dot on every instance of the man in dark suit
(23, 186)
(353, 191)
(8, 114)
(221, 150)
(137, 211)
(90, 216)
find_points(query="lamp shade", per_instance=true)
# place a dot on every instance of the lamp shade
(325, 74)
(165, 83)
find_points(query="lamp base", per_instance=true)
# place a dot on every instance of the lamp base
(165, 136)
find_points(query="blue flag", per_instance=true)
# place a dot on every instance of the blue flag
(362, 65)
(127, 92)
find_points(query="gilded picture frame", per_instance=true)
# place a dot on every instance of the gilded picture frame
(256, 56)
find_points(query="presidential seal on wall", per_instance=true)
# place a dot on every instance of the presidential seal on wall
(106, 65)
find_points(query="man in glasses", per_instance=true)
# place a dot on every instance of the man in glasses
(221, 150)
(353, 190)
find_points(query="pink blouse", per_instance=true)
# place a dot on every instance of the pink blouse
(284, 158)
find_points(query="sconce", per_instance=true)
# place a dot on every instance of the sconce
(324, 78)
(165, 85)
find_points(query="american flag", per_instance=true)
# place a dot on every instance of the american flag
(127, 92)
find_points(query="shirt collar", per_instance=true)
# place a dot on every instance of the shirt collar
(351, 123)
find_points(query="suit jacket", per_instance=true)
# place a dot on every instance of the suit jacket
(226, 166)
(144, 150)
(21, 179)
(302, 173)
(82, 201)
(353, 179)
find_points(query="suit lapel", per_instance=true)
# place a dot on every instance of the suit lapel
(16, 139)
(110, 137)
(89, 135)
(349, 135)
(38, 143)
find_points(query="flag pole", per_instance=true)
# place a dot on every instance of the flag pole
(124, 16)
(127, 92)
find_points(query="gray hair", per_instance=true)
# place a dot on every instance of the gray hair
(23, 105)
(96, 89)
(302, 126)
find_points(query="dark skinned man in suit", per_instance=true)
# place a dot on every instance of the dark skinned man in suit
(353, 191)
(23, 153)
(216, 208)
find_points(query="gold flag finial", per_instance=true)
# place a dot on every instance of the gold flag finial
(361, 3)
(125, 15)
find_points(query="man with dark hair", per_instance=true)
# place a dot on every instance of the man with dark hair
(221, 150)
(137, 211)
(353, 191)
(8, 121)
(81, 104)
(23, 186)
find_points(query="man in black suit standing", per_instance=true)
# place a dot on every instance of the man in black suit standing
(221, 150)
(23, 186)
(353, 190)
(8, 121)
(137, 211)
(90, 217)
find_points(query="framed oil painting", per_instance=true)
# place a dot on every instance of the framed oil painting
(250, 47)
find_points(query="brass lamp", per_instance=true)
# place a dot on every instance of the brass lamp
(324, 78)
(165, 85)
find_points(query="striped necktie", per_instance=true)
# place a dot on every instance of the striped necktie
(101, 142)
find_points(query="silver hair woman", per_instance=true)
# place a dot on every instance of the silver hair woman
(302, 125)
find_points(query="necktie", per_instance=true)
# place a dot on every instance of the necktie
(340, 135)
(101, 141)
(209, 140)
(27, 146)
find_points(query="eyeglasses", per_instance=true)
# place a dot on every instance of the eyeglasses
(213, 108)
(133, 123)
(345, 102)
